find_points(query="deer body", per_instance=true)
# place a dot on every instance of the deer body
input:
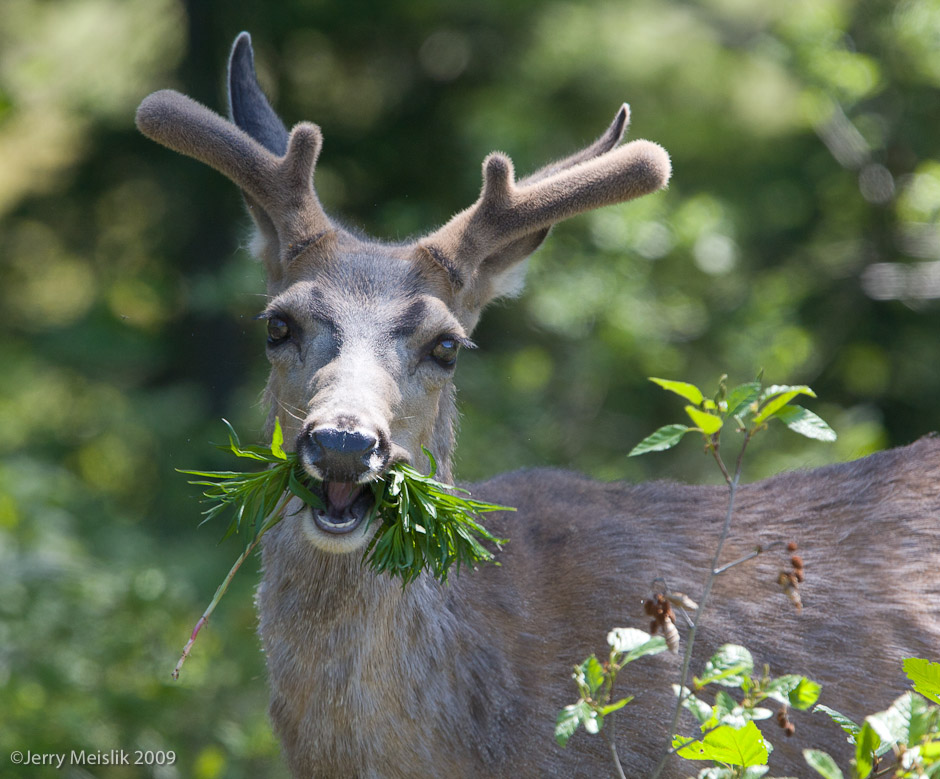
(466, 680)
(370, 679)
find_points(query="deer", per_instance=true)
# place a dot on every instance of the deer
(371, 679)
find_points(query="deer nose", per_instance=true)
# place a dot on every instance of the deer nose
(340, 455)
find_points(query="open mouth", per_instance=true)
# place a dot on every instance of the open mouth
(347, 505)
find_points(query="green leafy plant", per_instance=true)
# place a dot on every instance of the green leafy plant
(750, 407)
(909, 729)
(728, 739)
(595, 682)
(426, 525)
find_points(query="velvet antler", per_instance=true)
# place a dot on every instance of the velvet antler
(510, 219)
(282, 186)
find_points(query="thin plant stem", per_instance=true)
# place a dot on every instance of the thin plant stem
(750, 556)
(223, 588)
(709, 583)
(612, 743)
(714, 446)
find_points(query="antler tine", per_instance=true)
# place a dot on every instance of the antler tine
(611, 137)
(282, 186)
(639, 168)
(508, 211)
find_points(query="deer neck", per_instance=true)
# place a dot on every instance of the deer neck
(444, 434)
(338, 633)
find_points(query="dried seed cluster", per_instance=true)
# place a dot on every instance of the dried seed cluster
(783, 720)
(663, 619)
(790, 580)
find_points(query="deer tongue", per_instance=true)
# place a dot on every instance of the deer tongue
(341, 495)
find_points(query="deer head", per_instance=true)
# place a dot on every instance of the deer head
(362, 335)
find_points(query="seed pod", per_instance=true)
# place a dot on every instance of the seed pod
(792, 547)
(671, 635)
(791, 589)
(797, 562)
(682, 600)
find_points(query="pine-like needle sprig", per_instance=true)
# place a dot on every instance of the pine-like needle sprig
(426, 525)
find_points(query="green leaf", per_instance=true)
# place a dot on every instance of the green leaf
(700, 710)
(606, 710)
(626, 639)
(688, 391)
(729, 666)
(568, 720)
(664, 438)
(277, 441)
(822, 763)
(779, 688)
(593, 722)
(776, 397)
(866, 744)
(905, 721)
(634, 644)
(791, 390)
(806, 423)
(591, 672)
(925, 676)
(930, 751)
(233, 440)
(849, 726)
(707, 423)
(724, 704)
(741, 397)
(804, 695)
(300, 490)
(743, 747)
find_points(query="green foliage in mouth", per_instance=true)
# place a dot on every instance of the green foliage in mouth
(426, 525)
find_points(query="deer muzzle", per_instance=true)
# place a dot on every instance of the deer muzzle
(344, 461)
(341, 455)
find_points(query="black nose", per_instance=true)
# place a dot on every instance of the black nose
(340, 455)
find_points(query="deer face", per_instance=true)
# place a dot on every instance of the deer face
(362, 357)
(363, 336)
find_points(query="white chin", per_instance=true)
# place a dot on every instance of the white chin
(337, 543)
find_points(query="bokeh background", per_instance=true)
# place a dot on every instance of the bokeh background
(799, 235)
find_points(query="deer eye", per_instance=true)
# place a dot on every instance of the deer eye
(445, 351)
(278, 331)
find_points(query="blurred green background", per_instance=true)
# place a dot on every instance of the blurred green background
(800, 234)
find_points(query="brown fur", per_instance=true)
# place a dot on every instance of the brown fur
(369, 679)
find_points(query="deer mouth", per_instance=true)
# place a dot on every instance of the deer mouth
(346, 505)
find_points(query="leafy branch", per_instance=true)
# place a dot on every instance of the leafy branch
(909, 729)
(729, 739)
(726, 739)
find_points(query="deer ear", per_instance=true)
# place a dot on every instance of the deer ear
(248, 106)
(506, 268)
(250, 110)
